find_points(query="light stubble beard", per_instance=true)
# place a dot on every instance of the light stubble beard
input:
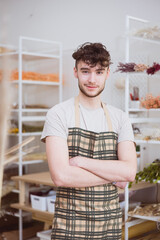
(88, 95)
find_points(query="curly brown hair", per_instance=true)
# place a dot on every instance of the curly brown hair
(92, 54)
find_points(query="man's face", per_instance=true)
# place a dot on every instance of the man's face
(91, 80)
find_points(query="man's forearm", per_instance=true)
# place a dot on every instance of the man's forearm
(73, 176)
(78, 177)
(62, 173)
(111, 170)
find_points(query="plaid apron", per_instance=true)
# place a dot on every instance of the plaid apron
(89, 212)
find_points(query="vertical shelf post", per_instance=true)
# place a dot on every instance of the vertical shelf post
(20, 127)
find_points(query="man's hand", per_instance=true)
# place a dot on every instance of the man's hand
(121, 184)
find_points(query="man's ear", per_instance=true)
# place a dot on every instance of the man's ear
(75, 72)
(108, 72)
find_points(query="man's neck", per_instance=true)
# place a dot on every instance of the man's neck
(90, 102)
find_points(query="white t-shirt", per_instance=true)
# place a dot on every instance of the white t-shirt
(62, 116)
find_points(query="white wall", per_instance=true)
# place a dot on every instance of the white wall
(73, 22)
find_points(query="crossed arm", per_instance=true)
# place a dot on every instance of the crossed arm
(84, 172)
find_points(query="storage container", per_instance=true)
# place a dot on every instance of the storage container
(51, 203)
(135, 104)
(39, 202)
(44, 235)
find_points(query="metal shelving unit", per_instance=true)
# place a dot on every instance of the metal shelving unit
(33, 110)
(52, 51)
(128, 110)
(37, 82)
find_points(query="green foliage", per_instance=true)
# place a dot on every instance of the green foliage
(149, 174)
(137, 148)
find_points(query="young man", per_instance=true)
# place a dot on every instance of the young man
(90, 152)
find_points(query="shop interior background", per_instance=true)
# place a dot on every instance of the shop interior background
(74, 22)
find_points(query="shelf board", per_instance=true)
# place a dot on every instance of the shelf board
(135, 222)
(151, 218)
(138, 141)
(26, 134)
(141, 185)
(27, 55)
(46, 214)
(142, 74)
(30, 110)
(40, 55)
(144, 39)
(16, 191)
(36, 82)
(32, 134)
(143, 110)
(145, 120)
(37, 178)
(24, 214)
(9, 53)
(30, 162)
(33, 118)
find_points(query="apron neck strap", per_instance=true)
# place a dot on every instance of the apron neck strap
(77, 114)
(107, 117)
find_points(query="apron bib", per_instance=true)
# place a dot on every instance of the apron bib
(89, 212)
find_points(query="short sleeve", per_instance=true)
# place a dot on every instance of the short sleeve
(125, 131)
(54, 125)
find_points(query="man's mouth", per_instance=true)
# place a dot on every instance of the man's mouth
(91, 86)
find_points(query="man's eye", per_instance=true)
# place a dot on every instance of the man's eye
(84, 72)
(99, 72)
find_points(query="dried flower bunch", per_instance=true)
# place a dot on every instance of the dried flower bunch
(150, 102)
(152, 70)
(133, 67)
(125, 67)
(140, 67)
(147, 210)
(150, 33)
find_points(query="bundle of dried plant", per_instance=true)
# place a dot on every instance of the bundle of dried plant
(125, 67)
(10, 157)
(155, 68)
(147, 210)
(4, 114)
(5, 103)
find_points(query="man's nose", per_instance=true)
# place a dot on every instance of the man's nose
(92, 77)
